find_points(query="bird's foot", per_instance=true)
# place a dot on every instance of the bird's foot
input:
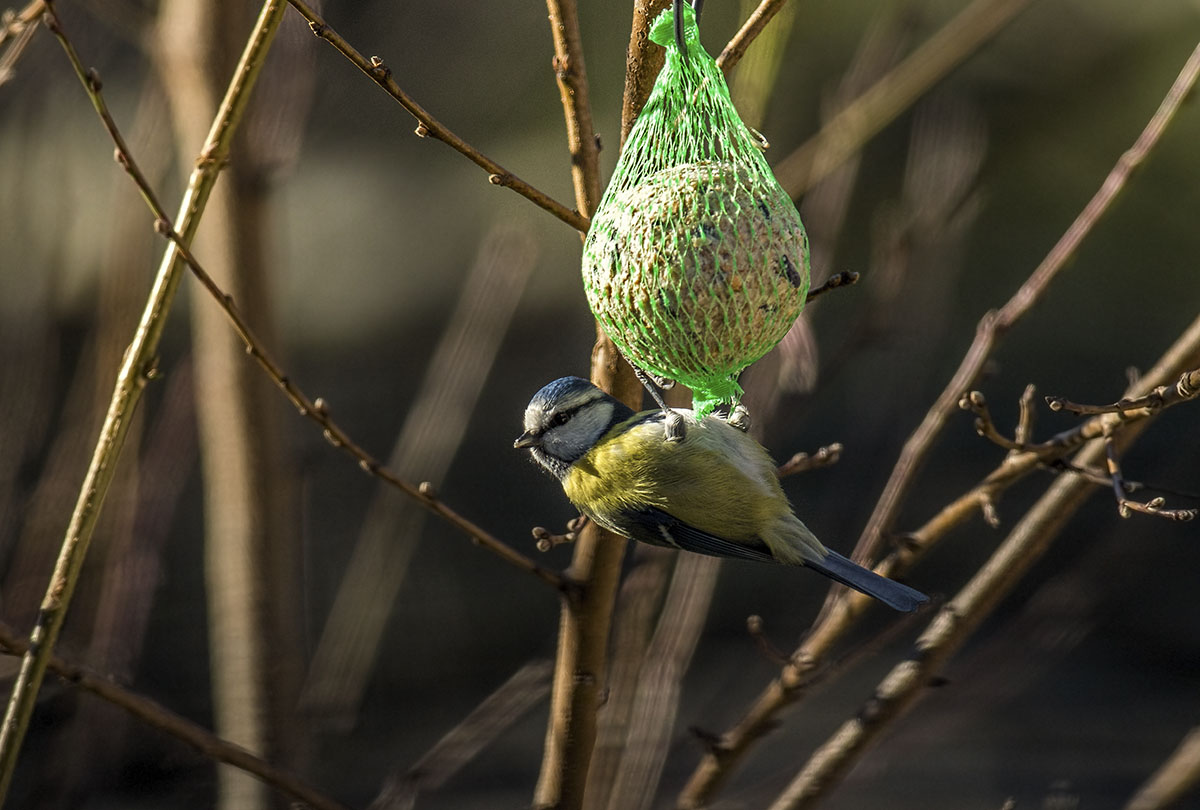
(739, 418)
(674, 426)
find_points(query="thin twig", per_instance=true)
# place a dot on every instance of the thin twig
(136, 369)
(755, 23)
(803, 462)
(1186, 387)
(317, 409)
(572, 80)
(546, 540)
(716, 767)
(842, 279)
(430, 127)
(1050, 452)
(846, 132)
(1125, 506)
(974, 402)
(1023, 434)
(756, 627)
(158, 716)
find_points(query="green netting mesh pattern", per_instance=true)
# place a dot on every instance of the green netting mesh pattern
(696, 263)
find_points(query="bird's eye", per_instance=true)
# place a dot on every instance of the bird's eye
(560, 418)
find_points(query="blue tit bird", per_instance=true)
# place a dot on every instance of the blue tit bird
(713, 492)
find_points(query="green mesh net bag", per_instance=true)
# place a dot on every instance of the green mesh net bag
(696, 263)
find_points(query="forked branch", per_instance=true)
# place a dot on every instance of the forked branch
(1050, 452)
(136, 367)
(791, 683)
(193, 734)
(317, 409)
(430, 127)
(1185, 388)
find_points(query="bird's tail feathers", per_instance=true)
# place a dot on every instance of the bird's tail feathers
(792, 543)
(891, 593)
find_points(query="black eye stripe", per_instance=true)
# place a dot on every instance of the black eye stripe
(564, 416)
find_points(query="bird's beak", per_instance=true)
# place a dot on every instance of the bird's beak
(527, 439)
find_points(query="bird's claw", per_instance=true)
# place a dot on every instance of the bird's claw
(664, 383)
(739, 418)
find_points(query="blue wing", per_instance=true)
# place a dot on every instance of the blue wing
(654, 526)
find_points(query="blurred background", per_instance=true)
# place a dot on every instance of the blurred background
(240, 556)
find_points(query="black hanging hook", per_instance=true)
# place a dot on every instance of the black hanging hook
(680, 40)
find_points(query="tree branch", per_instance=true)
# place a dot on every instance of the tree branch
(136, 368)
(428, 126)
(1186, 387)
(157, 716)
(571, 74)
(755, 23)
(843, 279)
(317, 409)
(1126, 506)
(643, 61)
(1049, 453)
(14, 23)
(803, 462)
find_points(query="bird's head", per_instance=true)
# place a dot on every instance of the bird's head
(564, 421)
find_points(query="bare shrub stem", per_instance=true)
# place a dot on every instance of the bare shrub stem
(136, 369)
(157, 716)
(430, 127)
(571, 74)
(732, 747)
(317, 410)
